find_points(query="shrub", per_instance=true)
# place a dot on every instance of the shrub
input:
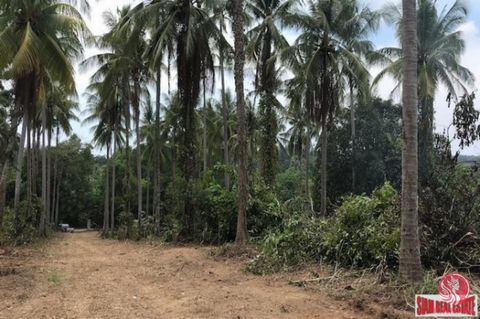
(290, 183)
(450, 219)
(25, 228)
(365, 231)
(217, 212)
(263, 210)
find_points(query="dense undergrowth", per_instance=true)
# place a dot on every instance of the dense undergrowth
(22, 228)
(363, 232)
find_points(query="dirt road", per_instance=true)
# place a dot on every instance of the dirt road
(82, 276)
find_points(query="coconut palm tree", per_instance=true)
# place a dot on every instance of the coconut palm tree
(410, 266)
(266, 38)
(38, 42)
(60, 112)
(325, 46)
(187, 30)
(121, 76)
(107, 113)
(440, 47)
(238, 32)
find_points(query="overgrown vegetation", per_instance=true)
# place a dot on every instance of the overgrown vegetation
(308, 163)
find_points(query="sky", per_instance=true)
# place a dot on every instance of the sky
(384, 37)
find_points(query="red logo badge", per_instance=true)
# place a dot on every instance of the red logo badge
(454, 288)
(453, 300)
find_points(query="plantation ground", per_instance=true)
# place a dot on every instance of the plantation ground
(81, 276)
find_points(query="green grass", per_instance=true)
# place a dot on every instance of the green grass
(54, 277)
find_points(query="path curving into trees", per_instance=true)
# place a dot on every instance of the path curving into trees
(81, 276)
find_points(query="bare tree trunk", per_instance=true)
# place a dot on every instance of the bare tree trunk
(139, 156)
(112, 214)
(353, 136)
(29, 165)
(307, 166)
(226, 155)
(106, 211)
(410, 267)
(55, 177)
(57, 198)
(127, 155)
(49, 174)
(3, 189)
(324, 162)
(12, 138)
(37, 136)
(238, 30)
(20, 159)
(204, 120)
(157, 163)
(149, 183)
(43, 216)
(54, 188)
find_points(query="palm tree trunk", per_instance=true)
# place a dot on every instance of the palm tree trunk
(410, 267)
(149, 183)
(425, 139)
(226, 155)
(112, 214)
(268, 118)
(157, 163)
(127, 154)
(307, 166)
(324, 163)
(37, 136)
(20, 160)
(29, 165)
(204, 120)
(57, 198)
(238, 30)
(55, 177)
(106, 210)
(12, 138)
(3, 190)
(44, 173)
(49, 175)
(139, 156)
(353, 135)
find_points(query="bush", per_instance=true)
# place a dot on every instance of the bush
(450, 219)
(217, 212)
(364, 232)
(290, 183)
(263, 210)
(296, 242)
(25, 228)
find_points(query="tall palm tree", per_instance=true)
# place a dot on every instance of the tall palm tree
(60, 112)
(106, 112)
(129, 43)
(440, 47)
(265, 39)
(121, 76)
(326, 46)
(38, 42)
(359, 24)
(238, 32)
(410, 265)
(187, 27)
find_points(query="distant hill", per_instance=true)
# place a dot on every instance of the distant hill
(469, 158)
